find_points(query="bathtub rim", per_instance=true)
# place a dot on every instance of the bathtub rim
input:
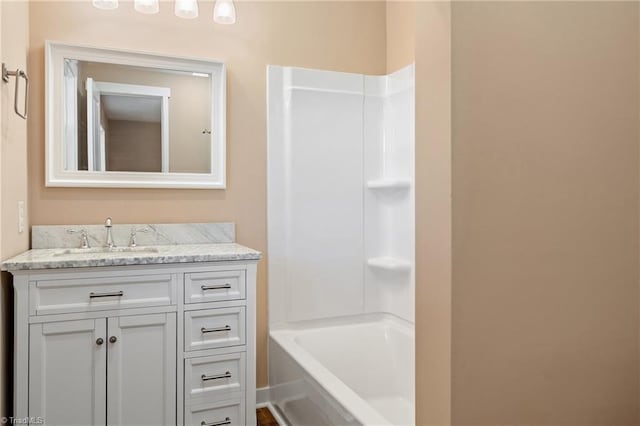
(284, 335)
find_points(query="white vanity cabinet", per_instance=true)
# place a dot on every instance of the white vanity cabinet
(67, 381)
(161, 344)
(141, 369)
(120, 368)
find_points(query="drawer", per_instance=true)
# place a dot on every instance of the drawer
(216, 413)
(96, 294)
(214, 376)
(214, 328)
(214, 286)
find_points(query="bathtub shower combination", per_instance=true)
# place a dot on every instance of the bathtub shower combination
(341, 246)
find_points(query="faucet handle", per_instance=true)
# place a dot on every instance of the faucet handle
(134, 231)
(83, 234)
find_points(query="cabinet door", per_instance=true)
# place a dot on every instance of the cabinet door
(67, 372)
(141, 370)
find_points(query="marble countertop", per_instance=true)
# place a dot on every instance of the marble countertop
(55, 258)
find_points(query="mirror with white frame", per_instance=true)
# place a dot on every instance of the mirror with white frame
(127, 119)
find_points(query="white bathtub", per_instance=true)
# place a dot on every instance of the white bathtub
(349, 371)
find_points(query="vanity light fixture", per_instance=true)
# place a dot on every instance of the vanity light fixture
(224, 12)
(187, 9)
(146, 6)
(106, 4)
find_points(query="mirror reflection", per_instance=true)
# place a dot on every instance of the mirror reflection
(136, 119)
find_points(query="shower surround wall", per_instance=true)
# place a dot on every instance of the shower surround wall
(341, 246)
(341, 199)
(389, 223)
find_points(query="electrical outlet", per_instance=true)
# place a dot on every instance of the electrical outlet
(20, 217)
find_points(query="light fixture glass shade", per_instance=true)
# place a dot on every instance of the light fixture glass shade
(187, 9)
(224, 12)
(147, 6)
(106, 4)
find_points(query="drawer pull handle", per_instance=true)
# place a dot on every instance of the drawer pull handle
(226, 421)
(93, 295)
(215, 330)
(226, 375)
(215, 287)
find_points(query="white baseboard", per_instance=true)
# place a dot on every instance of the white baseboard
(276, 414)
(263, 400)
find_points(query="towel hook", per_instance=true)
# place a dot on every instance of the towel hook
(17, 74)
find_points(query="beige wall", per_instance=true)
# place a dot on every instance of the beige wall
(421, 32)
(342, 36)
(14, 41)
(400, 31)
(545, 213)
(544, 156)
(433, 212)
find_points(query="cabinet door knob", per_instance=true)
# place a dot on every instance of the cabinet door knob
(99, 341)
(113, 339)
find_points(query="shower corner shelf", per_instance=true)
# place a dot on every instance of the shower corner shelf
(389, 263)
(389, 183)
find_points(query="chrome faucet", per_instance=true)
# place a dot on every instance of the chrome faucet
(84, 237)
(133, 241)
(108, 225)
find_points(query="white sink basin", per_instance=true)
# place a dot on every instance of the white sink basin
(106, 250)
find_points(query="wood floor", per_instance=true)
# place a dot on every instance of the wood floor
(265, 418)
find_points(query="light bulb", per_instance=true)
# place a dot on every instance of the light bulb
(187, 9)
(224, 12)
(106, 4)
(146, 6)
